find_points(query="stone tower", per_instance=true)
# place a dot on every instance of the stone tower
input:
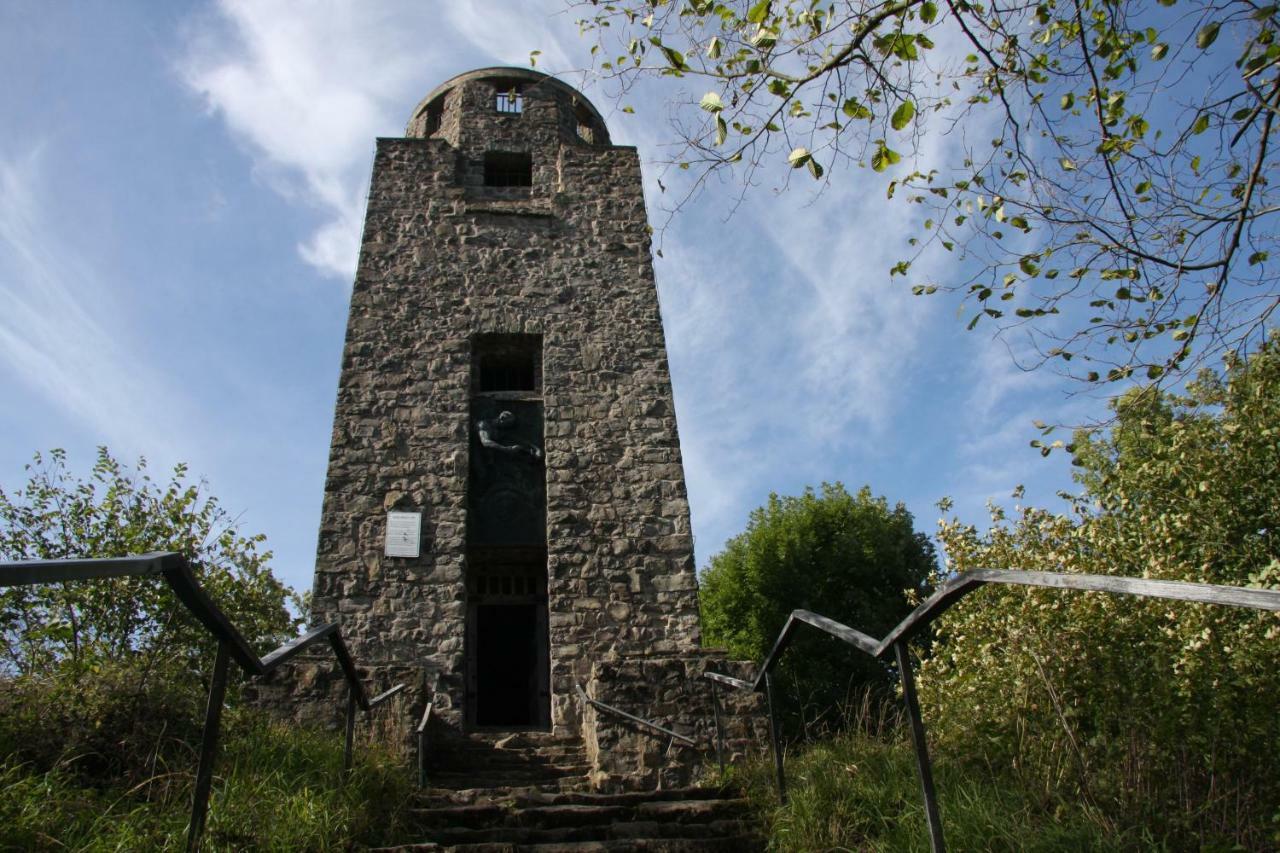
(505, 505)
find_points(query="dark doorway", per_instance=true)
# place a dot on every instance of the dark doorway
(506, 664)
(508, 652)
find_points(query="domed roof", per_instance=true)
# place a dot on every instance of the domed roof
(507, 74)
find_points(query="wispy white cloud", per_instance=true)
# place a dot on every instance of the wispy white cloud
(510, 36)
(61, 333)
(306, 87)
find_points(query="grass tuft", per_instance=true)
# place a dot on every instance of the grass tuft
(859, 791)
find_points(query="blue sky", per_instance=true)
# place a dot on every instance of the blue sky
(181, 193)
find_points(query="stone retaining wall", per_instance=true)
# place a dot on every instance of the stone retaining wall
(669, 691)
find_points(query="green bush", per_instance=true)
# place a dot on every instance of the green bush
(1159, 714)
(117, 511)
(851, 558)
(103, 685)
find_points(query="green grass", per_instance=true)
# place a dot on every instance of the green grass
(276, 788)
(860, 792)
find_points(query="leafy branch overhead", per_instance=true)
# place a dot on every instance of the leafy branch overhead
(1109, 191)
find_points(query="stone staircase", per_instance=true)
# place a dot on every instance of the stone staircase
(530, 792)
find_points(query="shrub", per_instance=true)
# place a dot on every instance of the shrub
(851, 558)
(114, 512)
(1160, 714)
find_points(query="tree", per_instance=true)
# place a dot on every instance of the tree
(1159, 714)
(851, 558)
(78, 627)
(1114, 160)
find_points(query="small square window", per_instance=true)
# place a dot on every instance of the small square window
(435, 114)
(507, 372)
(508, 169)
(506, 362)
(509, 100)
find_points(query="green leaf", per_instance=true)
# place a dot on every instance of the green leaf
(1068, 101)
(928, 13)
(722, 130)
(1208, 35)
(815, 168)
(759, 12)
(853, 108)
(1201, 125)
(1159, 51)
(711, 102)
(674, 58)
(1257, 258)
(798, 157)
(765, 37)
(715, 47)
(884, 157)
(902, 115)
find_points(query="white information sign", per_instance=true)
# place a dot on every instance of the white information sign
(404, 534)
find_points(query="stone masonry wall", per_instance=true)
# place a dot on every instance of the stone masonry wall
(671, 692)
(443, 259)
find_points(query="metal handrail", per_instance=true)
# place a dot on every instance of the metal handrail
(176, 571)
(951, 591)
(424, 734)
(582, 694)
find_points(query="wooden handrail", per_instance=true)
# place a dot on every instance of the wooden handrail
(176, 571)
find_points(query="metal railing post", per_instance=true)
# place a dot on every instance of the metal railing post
(715, 712)
(934, 820)
(422, 759)
(208, 748)
(351, 731)
(773, 736)
(424, 735)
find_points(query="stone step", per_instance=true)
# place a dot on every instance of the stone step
(577, 765)
(494, 815)
(557, 792)
(440, 797)
(445, 760)
(733, 844)
(503, 776)
(542, 798)
(624, 831)
(494, 793)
